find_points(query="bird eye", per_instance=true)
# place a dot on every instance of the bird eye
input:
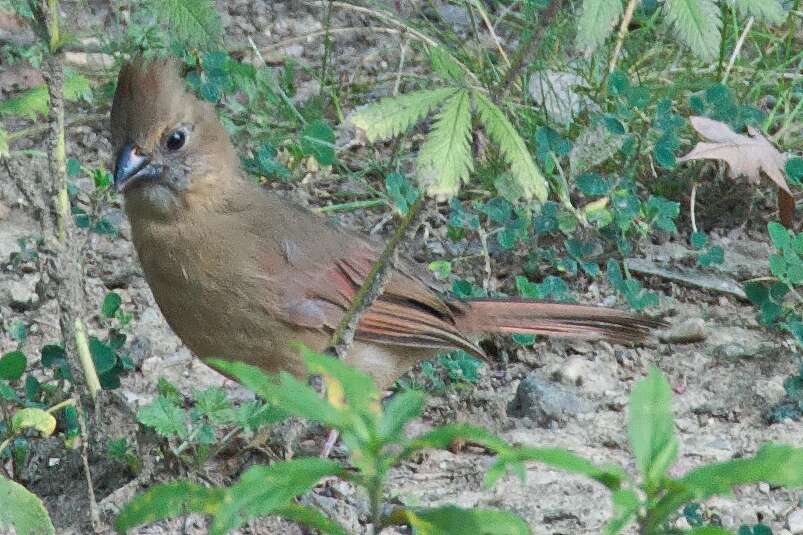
(175, 140)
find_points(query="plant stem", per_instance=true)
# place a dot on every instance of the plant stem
(374, 283)
(620, 39)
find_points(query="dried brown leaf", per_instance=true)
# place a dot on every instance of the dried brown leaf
(745, 155)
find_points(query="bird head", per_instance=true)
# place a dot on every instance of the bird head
(169, 146)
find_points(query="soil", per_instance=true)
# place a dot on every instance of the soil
(723, 384)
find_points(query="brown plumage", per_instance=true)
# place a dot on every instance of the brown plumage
(240, 273)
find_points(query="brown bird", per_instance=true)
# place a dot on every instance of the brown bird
(240, 273)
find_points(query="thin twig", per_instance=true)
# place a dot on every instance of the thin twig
(620, 39)
(391, 20)
(692, 202)
(738, 48)
(402, 54)
(491, 31)
(374, 283)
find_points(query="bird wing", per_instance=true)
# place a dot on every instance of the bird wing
(407, 313)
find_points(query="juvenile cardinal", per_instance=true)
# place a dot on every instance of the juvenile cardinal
(240, 273)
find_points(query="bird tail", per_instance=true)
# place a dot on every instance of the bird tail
(556, 319)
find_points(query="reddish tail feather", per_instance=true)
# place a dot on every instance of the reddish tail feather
(556, 319)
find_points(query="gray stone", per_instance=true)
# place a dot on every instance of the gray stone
(687, 331)
(545, 402)
(19, 293)
(795, 522)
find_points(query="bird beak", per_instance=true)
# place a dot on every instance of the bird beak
(132, 167)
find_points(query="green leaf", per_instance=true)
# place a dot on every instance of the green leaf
(164, 417)
(213, 403)
(442, 437)
(37, 419)
(264, 490)
(779, 235)
(401, 191)
(597, 21)
(441, 268)
(444, 64)
(451, 520)
(593, 185)
(311, 518)
(698, 240)
(794, 170)
(626, 504)
(12, 365)
(22, 512)
(444, 160)
(4, 150)
(393, 115)
(195, 23)
(286, 393)
(770, 11)
(775, 464)
(650, 426)
(318, 140)
(402, 408)
(359, 390)
(697, 23)
(28, 104)
(111, 302)
(103, 356)
(708, 530)
(503, 133)
(169, 500)
(559, 458)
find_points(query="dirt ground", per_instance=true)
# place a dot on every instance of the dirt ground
(723, 384)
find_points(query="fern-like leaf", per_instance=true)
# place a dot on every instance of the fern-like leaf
(444, 161)
(393, 115)
(697, 23)
(597, 20)
(36, 101)
(769, 11)
(195, 23)
(27, 104)
(503, 133)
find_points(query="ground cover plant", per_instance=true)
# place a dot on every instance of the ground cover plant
(547, 149)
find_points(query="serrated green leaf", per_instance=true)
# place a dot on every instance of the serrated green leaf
(358, 389)
(697, 23)
(504, 134)
(12, 365)
(168, 500)
(626, 504)
(195, 23)
(769, 11)
(264, 490)
(393, 115)
(444, 64)
(37, 419)
(773, 463)
(597, 21)
(559, 458)
(22, 511)
(444, 160)
(651, 428)
(402, 408)
(213, 403)
(164, 417)
(449, 520)
(311, 518)
(443, 437)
